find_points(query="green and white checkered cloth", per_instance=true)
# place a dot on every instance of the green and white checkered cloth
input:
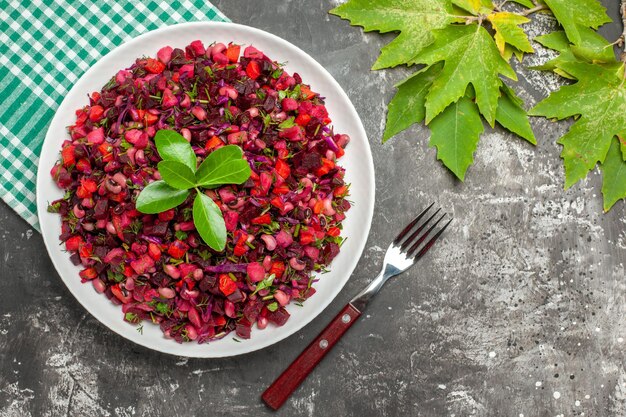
(44, 49)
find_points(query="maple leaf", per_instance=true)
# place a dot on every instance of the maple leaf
(407, 106)
(414, 19)
(512, 116)
(572, 14)
(613, 175)
(593, 48)
(455, 131)
(508, 32)
(455, 134)
(475, 7)
(471, 57)
(599, 98)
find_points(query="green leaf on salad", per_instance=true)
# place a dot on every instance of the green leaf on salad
(172, 146)
(158, 197)
(223, 166)
(266, 283)
(207, 217)
(177, 175)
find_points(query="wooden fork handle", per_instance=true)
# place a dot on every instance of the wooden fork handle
(280, 390)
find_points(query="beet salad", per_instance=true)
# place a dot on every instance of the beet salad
(281, 222)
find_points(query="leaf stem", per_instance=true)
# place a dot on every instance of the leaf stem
(468, 19)
(621, 40)
(535, 9)
(498, 6)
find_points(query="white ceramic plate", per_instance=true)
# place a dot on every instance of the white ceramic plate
(357, 161)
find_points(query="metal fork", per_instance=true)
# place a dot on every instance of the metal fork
(405, 250)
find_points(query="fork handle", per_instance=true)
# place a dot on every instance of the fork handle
(280, 390)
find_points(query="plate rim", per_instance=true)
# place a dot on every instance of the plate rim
(323, 303)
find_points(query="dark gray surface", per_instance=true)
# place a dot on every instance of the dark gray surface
(520, 310)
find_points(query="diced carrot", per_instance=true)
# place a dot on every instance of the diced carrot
(334, 232)
(253, 69)
(213, 143)
(306, 92)
(282, 168)
(340, 191)
(281, 189)
(232, 53)
(68, 156)
(303, 119)
(88, 273)
(318, 207)
(264, 219)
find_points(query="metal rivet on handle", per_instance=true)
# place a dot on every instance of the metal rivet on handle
(346, 318)
(323, 343)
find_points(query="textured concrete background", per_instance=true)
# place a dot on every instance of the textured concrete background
(520, 310)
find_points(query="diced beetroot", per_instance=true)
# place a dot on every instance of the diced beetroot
(283, 239)
(237, 138)
(142, 264)
(101, 209)
(220, 58)
(194, 317)
(136, 137)
(186, 70)
(186, 270)
(293, 133)
(158, 229)
(289, 104)
(278, 317)
(230, 219)
(243, 329)
(165, 54)
(169, 99)
(252, 52)
(255, 271)
(196, 48)
(114, 256)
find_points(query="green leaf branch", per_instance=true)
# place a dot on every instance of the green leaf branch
(464, 48)
(181, 175)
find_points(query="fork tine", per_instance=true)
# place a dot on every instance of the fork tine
(409, 241)
(414, 244)
(432, 240)
(410, 226)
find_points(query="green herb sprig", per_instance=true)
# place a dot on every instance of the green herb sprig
(181, 175)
